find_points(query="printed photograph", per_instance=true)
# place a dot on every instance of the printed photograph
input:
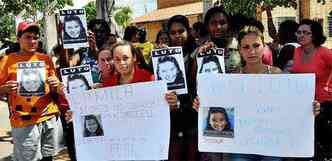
(169, 67)
(92, 126)
(31, 78)
(211, 62)
(74, 28)
(77, 79)
(219, 122)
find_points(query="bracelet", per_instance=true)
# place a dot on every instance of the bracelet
(178, 104)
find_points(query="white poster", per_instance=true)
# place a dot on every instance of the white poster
(31, 78)
(168, 65)
(77, 79)
(122, 123)
(261, 114)
(74, 28)
(211, 61)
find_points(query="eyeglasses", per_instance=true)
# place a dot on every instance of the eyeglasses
(306, 33)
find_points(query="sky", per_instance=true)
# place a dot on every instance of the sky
(137, 6)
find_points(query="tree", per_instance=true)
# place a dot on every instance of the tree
(91, 11)
(248, 7)
(6, 27)
(122, 16)
(11, 8)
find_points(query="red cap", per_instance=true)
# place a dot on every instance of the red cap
(24, 25)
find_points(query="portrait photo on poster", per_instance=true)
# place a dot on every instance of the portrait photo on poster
(219, 122)
(31, 77)
(211, 61)
(168, 65)
(92, 125)
(74, 28)
(77, 79)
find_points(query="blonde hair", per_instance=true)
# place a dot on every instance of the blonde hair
(248, 30)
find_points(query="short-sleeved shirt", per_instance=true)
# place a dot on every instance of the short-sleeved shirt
(321, 65)
(26, 111)
(140, 75)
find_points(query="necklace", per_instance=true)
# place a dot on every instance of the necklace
(308, 51)
(307, 54)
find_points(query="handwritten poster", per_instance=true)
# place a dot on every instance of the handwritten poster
(121, 123)
(168, 65)
(268, 115)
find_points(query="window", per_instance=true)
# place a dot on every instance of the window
(330, 25)
(279, 20)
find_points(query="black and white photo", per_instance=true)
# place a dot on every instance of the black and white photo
(77, 79)
(31, 77)
(211, 61)
(74, 27)
(92, 126)
(168, 66)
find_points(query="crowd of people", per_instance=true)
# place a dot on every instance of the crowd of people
(297, 48)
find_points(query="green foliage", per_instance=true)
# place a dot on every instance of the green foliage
(11, 8)
(248, 7)
(123, 16)
(91, 11)
(7, 30)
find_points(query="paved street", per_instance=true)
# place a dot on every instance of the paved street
(5, 137)
(6, 146)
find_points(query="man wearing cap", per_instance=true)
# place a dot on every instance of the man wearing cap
(33, 118)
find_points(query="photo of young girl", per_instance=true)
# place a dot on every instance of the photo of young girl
(74, 28)
(168, 69)
(168, 65)
(210, 64)
(92, 126)
(77, 83)
(218, 122)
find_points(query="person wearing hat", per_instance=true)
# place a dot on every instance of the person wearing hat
(32, 118)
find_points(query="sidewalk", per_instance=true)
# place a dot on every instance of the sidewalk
(6, 147)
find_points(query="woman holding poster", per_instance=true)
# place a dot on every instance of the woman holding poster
(251, 47)
(127, 71)
(183, 142)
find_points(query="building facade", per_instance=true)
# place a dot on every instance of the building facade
(156, 20)
(193, 9)
(306, 9)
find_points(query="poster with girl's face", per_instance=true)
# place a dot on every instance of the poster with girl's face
(92, 125)
(211, 61)
(77, 79)
(31, 77)
(168, 65)
(74, 28)
(218, 122)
